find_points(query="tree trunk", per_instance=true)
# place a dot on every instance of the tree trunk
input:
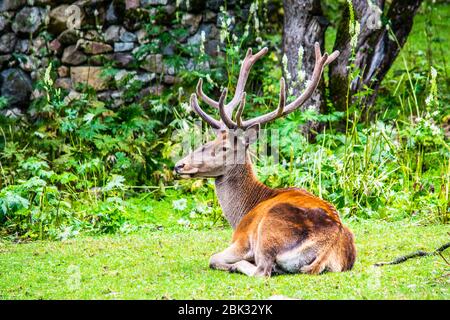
(304, 24)
(375, 50)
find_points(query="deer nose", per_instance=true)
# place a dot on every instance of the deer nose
(178, 167)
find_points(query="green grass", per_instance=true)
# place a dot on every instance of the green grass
(174, 265)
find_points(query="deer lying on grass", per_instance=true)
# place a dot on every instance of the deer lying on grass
(275, 230)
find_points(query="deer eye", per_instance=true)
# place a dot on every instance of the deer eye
(224, 148)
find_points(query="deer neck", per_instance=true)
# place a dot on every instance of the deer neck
(239, 191)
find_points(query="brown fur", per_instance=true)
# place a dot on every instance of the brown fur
(287, 220)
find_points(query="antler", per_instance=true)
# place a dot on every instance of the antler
(282, 110)
(247, 64)
(240, 96)
(210, 120)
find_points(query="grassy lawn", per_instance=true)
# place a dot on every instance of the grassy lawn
(174, 265)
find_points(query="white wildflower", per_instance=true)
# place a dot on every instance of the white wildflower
(301, 75)
(180, 92)
(186, 107)
(180, 204)
(203, 36)
(201, 208)
(433, 73)
(256, 22)
(435, 130)
(429, 100)
(345, 211)
(307, 83)
(192, 215)
(223, 24)
(253, 7)
(247, 31)
(208, 78)
(284, 62)
(202, 42)
(432, 98)
(354, 32)
(300, 55)
(223, 35)
(183, 222)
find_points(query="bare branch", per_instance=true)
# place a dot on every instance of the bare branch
(415, 254)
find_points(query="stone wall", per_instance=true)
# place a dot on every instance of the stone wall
(81, 37)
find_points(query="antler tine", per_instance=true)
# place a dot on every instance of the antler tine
(223, 115)
(208, 119)
(332, 57)
(265, 118)
(247, 64)
(321, 62)
(204, 97)
(240, 110)
(282, 101)
(317, 51)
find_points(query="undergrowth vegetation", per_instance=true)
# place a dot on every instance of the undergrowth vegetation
(81, 165)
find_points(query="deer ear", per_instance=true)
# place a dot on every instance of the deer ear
(251, 134)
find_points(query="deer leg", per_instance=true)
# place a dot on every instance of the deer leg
(233, 260)
(244, 267)
(264, 269)
(265, 255)
(251, 270)
(319, 264)
(226, 259)
(264, 265)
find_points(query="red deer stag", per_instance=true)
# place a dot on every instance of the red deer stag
(275, 230)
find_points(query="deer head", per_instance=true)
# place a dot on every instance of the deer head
(234, 136)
